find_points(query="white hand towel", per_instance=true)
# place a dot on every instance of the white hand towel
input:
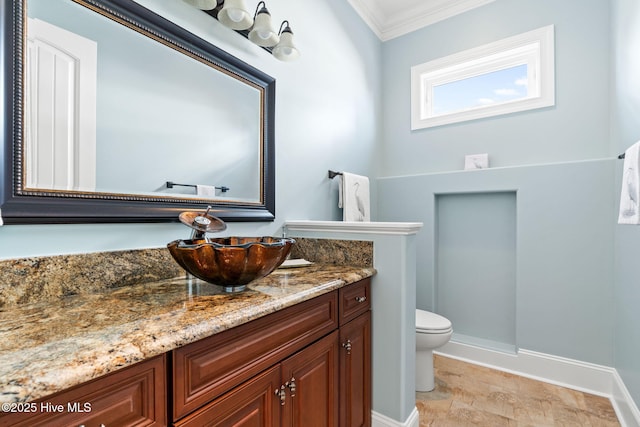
(208, 191)
(355, 198)
(630, 195)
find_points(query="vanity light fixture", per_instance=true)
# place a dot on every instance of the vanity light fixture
(203, 4)
(262, 32)
(258, 29)
(285, 50)
(235, 16)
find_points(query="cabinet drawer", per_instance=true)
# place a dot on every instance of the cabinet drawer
(355, 299)
(133, 396)
(210, 367)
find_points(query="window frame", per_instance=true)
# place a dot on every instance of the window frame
(534, 48)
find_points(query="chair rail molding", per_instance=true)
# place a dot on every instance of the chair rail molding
(399, 228)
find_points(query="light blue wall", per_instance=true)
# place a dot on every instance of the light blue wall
(475, 266)
(327, 115)
(625, 115)
(564, 250)
(577, 286)
(575, 129)
(553, 158)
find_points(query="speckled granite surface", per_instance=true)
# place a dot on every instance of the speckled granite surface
(336, 252)
(54, 344)
(30, 280)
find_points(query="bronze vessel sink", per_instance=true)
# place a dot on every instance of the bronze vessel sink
(231, 262)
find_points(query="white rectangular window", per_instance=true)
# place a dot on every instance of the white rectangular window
(510, 75)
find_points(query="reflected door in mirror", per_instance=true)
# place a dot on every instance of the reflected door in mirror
(60, 109)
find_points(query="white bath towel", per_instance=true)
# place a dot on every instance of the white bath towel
(630, 195)
(354, 197)
(207, 191)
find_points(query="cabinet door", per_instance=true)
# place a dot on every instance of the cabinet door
(133, 396)
(311, 380)
(355, 372)
(253, 403)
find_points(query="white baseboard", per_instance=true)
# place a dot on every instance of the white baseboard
(379, 420)
(626, 409)
(588, 377)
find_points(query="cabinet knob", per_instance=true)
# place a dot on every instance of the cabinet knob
(361, 299)
(292, 387)
(281, 393)
(347, 346)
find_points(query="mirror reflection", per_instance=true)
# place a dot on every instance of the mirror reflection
(110, 110)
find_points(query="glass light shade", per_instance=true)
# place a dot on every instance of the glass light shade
(285, 50)
(203, 4)
(262, 32)
(234, 15)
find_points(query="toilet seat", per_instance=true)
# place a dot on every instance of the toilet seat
(428, 322)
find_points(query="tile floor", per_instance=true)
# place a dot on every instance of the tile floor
(471, 395)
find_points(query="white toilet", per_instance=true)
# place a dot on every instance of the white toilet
(432, 331)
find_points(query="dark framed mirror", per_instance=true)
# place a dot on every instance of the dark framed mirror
(167, 121)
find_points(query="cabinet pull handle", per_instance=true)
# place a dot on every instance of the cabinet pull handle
(361, 299)
(347, 346)
(292, 387)
(281, 393)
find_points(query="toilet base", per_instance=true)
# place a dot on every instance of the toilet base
(425, 380)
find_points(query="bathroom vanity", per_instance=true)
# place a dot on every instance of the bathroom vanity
(294, 349)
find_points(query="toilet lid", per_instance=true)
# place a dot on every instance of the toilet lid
(427, 321)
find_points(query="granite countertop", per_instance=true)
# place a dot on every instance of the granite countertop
(50, 346)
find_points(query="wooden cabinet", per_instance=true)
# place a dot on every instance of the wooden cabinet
(355, 372)
(308, 365)
(210, 367)
(133, 396)
(355, 357)
(305, 366)
(302, 391)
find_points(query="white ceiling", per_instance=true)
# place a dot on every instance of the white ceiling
(393, 18)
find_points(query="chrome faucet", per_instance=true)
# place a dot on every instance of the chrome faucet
(202, 223)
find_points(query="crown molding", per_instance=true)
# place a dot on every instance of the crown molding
(391, 24)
